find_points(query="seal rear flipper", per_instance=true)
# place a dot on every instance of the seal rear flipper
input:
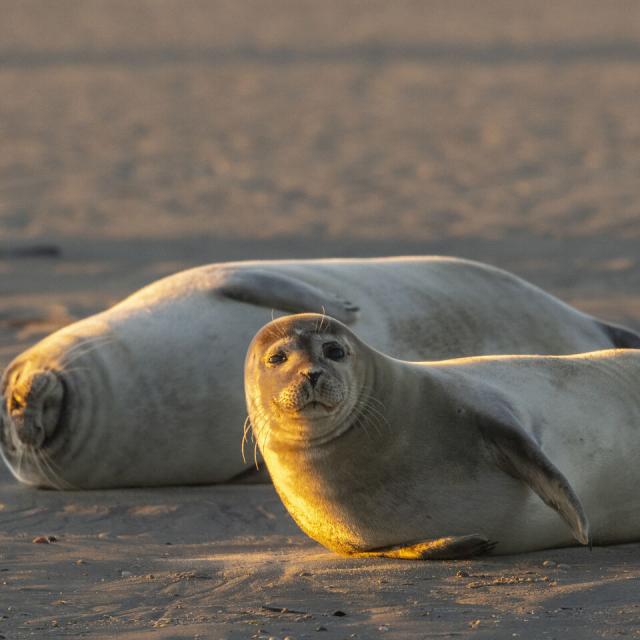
(277, 291)
(621, 337)
(449, 548)
(520, 456)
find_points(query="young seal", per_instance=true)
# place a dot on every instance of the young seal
(379, 457)
(150, 391)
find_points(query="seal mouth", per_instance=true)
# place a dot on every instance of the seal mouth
(312, 408)
(319, 403)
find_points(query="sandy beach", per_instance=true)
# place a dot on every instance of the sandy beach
(140, 138)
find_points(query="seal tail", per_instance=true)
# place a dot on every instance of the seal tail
(621, 337)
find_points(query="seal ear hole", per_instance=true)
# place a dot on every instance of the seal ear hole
(334, 351)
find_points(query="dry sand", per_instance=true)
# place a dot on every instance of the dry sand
(143, 137)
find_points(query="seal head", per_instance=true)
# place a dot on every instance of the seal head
(303, 371)
(35, 405)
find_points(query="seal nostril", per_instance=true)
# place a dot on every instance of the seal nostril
(312, 376)
(16, 403)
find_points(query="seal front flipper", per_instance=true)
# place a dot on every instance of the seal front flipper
(517, 453)
(449, 548)
(277, 291)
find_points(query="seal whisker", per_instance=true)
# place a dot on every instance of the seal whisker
(258, 425)
(377, 401)
(265, 437)
(46, 471)
(245, 431)
(382, 419)
(376, 405)
(280, 333)
(323, 317)
(266, 428)
(361, 421)
(369, 418)
(75, 369)
(88, 343)
(85, 347)
(21, 454)
(34, 461)
(46, 459)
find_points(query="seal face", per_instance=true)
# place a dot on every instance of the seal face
(306, 378)
(459, 449)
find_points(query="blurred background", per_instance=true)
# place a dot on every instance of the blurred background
(140, 137)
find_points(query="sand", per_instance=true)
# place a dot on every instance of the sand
(139, 138)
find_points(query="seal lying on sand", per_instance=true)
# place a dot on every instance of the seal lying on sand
(379, 457)
(150, 391)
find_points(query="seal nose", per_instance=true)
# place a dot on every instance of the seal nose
(312, 376)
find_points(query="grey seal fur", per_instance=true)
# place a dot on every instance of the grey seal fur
(149, 392)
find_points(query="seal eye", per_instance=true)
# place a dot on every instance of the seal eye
(333, 351)
(277, 358)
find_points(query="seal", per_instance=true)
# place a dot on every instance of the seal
(374, 456)
(149, 392)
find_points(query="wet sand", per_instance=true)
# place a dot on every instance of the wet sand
(142, 138)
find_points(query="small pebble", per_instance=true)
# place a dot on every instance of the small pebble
(321, 628)
(474, 624)
(81, 562)
(339, 614)
(44, 539)
(162, 622)
(462, 574)
(384, 627)
(548, 563)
